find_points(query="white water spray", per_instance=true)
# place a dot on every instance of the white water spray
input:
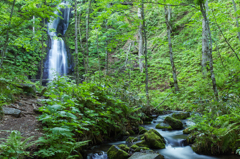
(58, 54)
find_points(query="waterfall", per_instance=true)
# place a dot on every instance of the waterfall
(57, 64)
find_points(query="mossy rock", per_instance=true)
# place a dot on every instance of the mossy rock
(142, 144)
(134, 146)
(124, 147)
(159, 126)
(131, 139)
(154, 139)
(115, 152)
(157, 133)
(142, 130)
(131, 132)
(125, 133)
(28, 89)
(191, 138)
(181, 115)
(186, 131)
(138, 149)
(147, 122)
(174, 123)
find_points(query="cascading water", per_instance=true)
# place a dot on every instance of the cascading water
(175, 146)
(57, 63)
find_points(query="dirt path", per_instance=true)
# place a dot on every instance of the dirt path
(27, 123)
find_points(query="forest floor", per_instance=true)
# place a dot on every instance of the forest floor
(26, 123)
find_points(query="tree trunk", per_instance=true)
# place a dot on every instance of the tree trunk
(33, 25)
(76, 45)
(99, 64)
(7, 36)
(140, 41)
(87, 33)
(209, 37)
(145, 53)
(42, 55)
(81, 44)
(205, 45)
(168, 17)
(106, 59)
(235, 9)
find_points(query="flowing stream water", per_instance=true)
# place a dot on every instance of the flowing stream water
(175, 144)
(57, 63)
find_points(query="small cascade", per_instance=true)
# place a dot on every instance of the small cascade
(101, 155)
(57, 63)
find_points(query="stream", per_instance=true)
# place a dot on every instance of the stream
(176, 148)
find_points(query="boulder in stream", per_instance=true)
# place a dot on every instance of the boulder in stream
(142, 130)
(159, 126)
(124, 147)
(174, 123)
(115, 152)
(131, 139)
(181, 115)
(139, 155)
(154, 139)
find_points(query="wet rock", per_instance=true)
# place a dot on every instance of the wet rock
(181, 115)
(124, 147)
(159, 126)
(11, 111)
(147, 122)
(142, 144)
(191, 138)
(154, 139)
(174, 123)
(139, 149)
(142, 130)
(131, 132)
(125, 133)
(140, 155)
(134, 146)
(131, 139)
(186, 131)
(115, 152)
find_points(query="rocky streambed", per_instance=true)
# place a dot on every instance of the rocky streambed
(164, 136)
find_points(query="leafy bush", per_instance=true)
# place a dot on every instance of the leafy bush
(76, 114)
(14, 147)
(216, 130)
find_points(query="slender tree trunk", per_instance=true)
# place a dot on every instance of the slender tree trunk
(203, 10)
(168, 17)
(87, 34)
(80, 39)
(42, 54)
(106, 47)
(146, 55)
(99, 60)
(205, 45)
(7, 36)
(140, 41)
(76, 44)
(33, 25)
(235, 9)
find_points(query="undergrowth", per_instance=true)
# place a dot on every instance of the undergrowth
(88, 113)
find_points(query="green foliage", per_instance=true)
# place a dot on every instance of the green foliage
(82, 113)
(14, 146)
(217, 136)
